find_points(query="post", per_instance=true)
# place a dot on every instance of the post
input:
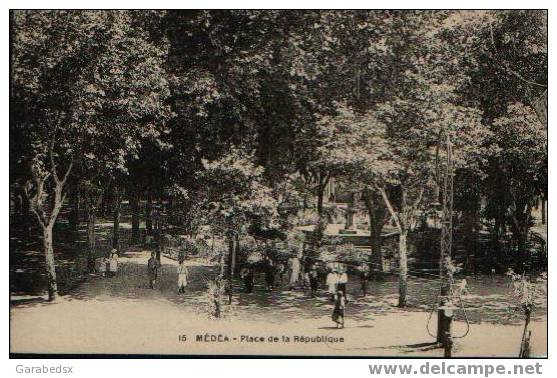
(232, 250)
(526, 335)
(448, 339)
(444, 316)
(116, 220)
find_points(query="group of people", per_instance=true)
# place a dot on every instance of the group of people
(153, 266)
(303, 272)
(108, 265)
(300, 271)
(337, 279)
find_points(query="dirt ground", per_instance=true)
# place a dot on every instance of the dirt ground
(122, 315)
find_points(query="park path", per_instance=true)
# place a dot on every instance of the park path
(122, 315)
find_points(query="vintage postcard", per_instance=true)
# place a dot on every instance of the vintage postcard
(278, 183)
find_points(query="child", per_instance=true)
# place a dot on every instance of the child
(102, 266)
(182, 277)
(113, 263)
(338, 312)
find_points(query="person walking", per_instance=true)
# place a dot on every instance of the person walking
(113, 263)
(182, 276)
(152, 269)
(339, 309)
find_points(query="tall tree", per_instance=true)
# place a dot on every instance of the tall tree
(89, 84)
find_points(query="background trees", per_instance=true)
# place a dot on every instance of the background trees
(86, 85)
(233, 117)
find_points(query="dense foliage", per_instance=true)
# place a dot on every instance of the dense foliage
(240, 119)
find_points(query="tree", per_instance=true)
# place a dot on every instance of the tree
(236, 198)
(85, 82)
(521, 160)
(504, 55)
(356, 142)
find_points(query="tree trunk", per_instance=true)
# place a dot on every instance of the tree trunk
(149, 215)
(522, 248)
(320, 202)
(231, 261)
(496, 238)
(377, 258)
(526, 334)
(105, 200)
(135, 217)
(543, 210)
(116, 220)
(50, 266)
(376, 213)
(91, 219)
(170, 210)
(403, 269)
(323, 181)
(73, 218)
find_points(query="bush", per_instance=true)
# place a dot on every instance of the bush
(214, 299)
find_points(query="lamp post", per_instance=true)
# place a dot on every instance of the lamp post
(446, 269)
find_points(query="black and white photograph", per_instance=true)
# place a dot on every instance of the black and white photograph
(316, 183)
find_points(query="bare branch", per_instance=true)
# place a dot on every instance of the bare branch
(51, 155)
(390, 207)
(520, 77)
(34, 202)
(506, 67)
(39, 217)
(419, 199)
(65, 178)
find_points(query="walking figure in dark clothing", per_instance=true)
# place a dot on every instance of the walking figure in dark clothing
(340, 306)
(364, 277)
(247, 276)
(313, 280)
(270, 274)
(152, 269)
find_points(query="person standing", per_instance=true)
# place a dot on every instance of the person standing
(306, 268)
(103, 263)
(364, 277)
(293, 270)
(113, 263)
(269, 273)
(247, 276)
(313, 280)
(339, 309)
(182, 276)
(280, 272)
(343, 281)
(152, 269)
(332, 281)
